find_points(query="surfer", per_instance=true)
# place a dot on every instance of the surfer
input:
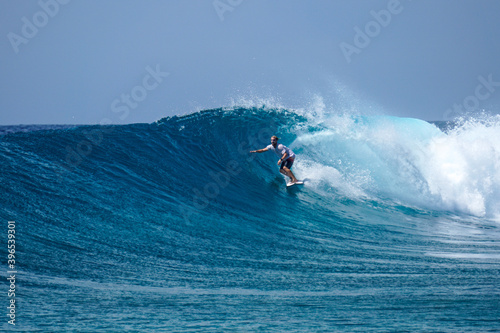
(286, 157)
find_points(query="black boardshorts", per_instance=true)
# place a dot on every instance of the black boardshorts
(287, 163)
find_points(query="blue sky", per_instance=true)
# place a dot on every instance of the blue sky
(124, 61)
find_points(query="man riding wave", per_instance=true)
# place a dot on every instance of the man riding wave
(286, 155)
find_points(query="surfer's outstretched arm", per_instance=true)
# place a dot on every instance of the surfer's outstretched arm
(259, 150)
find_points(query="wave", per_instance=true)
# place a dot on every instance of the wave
(152, 226)
(400, 160)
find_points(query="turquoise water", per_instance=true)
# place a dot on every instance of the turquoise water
(175, 227)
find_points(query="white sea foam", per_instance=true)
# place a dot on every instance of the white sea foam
(406, 160)
(464, 168)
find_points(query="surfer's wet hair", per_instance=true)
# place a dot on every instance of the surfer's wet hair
(275, 137)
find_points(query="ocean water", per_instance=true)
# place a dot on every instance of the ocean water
(174, 227)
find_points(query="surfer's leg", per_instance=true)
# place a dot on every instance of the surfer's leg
(289, 173)
(286, 174)
(285, 166)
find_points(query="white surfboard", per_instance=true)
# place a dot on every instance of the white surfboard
(299, 182)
